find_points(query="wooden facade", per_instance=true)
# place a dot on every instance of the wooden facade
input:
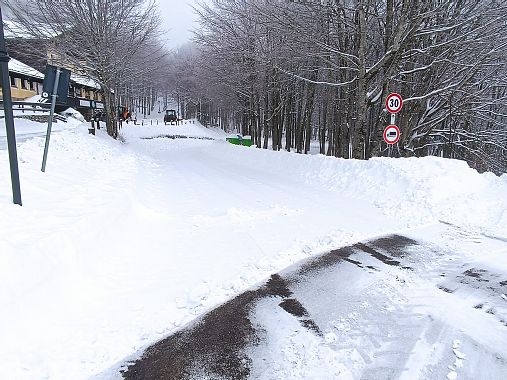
(84, 93)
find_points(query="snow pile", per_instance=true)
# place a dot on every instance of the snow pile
(20, 68)
(417, 190)
(71, 112)
(118, 245)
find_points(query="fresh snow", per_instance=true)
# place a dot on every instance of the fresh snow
(20, 68)
(120, 243)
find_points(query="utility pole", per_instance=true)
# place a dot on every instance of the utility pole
(9, 117)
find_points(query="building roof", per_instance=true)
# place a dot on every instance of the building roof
(84, 81)
(18, 67)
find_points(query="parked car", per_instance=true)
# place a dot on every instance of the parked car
(170, 117)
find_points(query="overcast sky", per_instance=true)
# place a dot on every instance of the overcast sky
(178, 19)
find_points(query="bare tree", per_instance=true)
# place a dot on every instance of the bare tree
(322, 68)
(112, 42)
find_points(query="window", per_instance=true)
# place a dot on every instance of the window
(24, 84)
(13, 82)
(31, 85)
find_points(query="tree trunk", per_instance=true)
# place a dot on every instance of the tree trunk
(358, 142)
(111, 117)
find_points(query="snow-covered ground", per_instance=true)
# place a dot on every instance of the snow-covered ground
(119, 244)
(26, 129)
(440, 314)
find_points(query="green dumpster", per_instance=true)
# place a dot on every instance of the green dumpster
(240, 140)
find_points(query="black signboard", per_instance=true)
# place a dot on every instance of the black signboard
(49, 82)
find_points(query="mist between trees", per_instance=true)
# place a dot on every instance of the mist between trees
(286, 72)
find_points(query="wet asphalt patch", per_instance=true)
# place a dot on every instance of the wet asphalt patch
(214, 344)
(477, 274)
(379, 256)
(445, 289)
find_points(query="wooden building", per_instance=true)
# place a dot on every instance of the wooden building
(25, 81)
(26, 67)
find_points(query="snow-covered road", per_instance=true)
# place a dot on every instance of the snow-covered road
(119, 245)
(389, 308)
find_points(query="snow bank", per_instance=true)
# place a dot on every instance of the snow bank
(417, 190)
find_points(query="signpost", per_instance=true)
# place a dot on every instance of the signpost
(394, 104)
(392, 134)
(9, 117)
(56, 85)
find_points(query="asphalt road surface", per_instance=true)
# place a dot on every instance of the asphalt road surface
(390, 308)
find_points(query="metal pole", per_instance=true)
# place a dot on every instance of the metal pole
(50, 122)
(9, 117)
(393, 122)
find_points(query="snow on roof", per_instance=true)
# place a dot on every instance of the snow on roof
(18, 67)
(16, 30)
(84, 81)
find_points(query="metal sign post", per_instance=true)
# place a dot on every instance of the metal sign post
(50, 122)
(394, 104)
(9, 117)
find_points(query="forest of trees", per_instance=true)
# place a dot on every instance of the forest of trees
(291, 72)
(287, 71)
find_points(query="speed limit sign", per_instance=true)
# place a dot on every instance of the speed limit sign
(394, 102)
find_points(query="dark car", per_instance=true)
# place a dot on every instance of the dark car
(99, 116)
(170, 117)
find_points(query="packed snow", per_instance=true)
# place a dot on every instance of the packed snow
(380, 320)
(120, 243)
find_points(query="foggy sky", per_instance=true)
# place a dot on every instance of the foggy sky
(177, 20)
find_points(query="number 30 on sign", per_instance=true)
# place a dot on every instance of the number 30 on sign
(394, 102)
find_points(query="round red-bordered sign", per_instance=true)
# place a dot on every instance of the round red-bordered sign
(394, 103)
(392, 134)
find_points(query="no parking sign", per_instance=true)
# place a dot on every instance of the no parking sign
(392, 134)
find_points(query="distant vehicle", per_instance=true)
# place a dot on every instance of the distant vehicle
(99, 116)
(170, 117)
